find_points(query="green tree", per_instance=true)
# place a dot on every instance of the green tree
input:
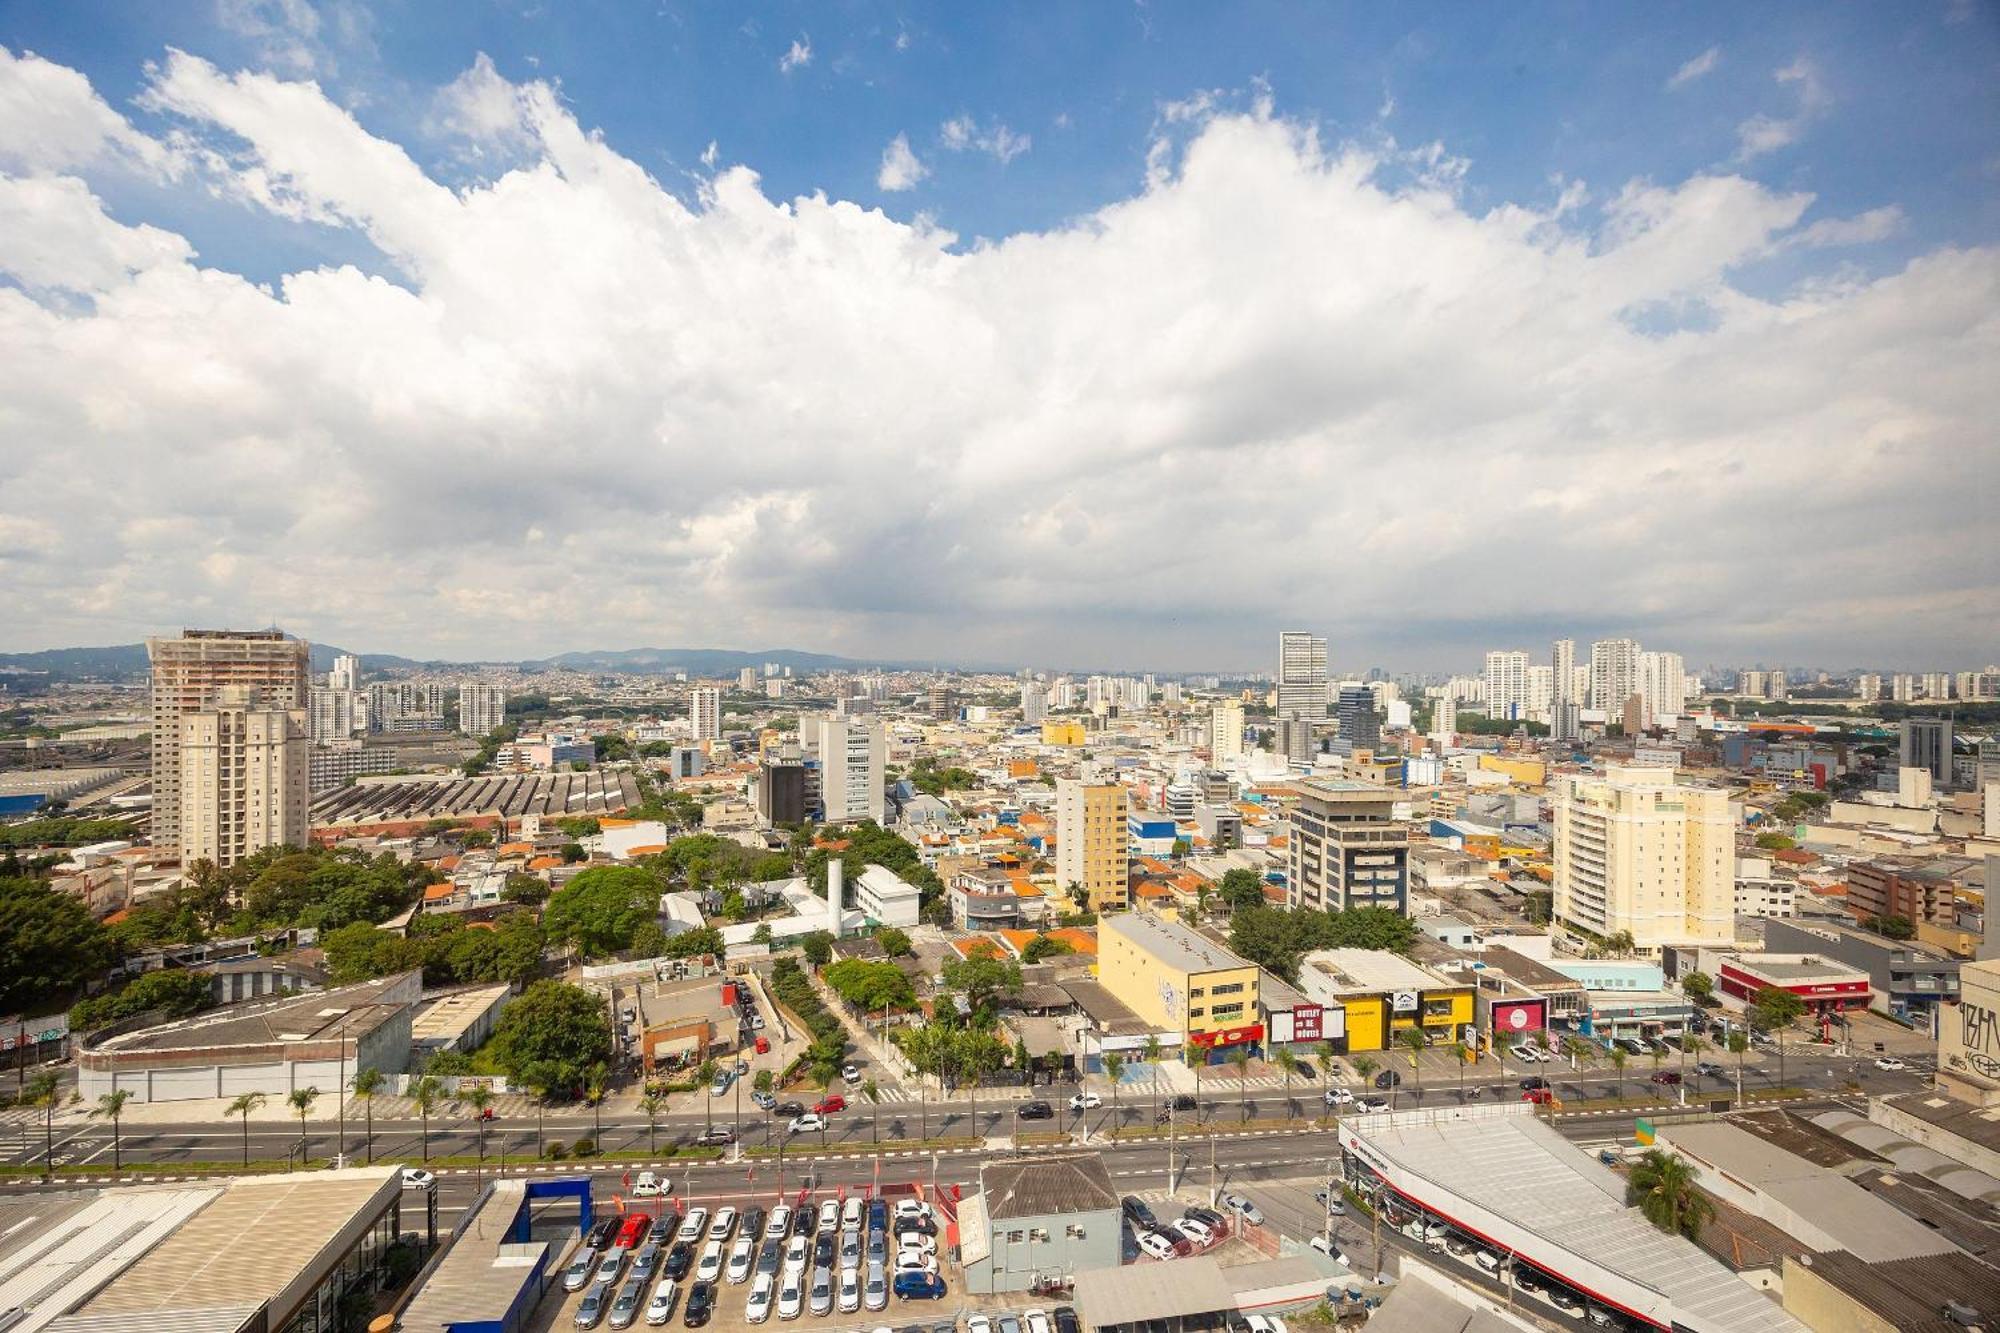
(983, 978)
(1619, 1055)
(525, 889)
(541, 1078)
(555, 1022)
(1698, 986)
(1739, 1043)
(1895, 927)
(818, 947)
(650, 1106)
(1413, 1038)
(43, 1090)
(873, 1093)
(871, 987)
(1240, 1057)
(1288, 1064)
(49, 945)
(1242, 888)
(1114, 1073)
(475, 1097)
(170, 992)
(977, 1053)
(894, 942)
(425, 1094)
(1328, 1054)
(111, 1106)
(1663, 1187)
(1045, 946)
(368, 1082)
(1462, 1056)
(244, 1106)
(1775, 842)
(1151, 1053)
(602, 909)
(302, 1100)
(596, 1087)
(762, 935)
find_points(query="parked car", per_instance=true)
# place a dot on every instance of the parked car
(647, 1262)
(1367, 1104)
(680, 1259)
(829, 1214)
(1197, 1232)
(1038, 1321)
(700, 1305)
(604, 1233)
(917, 1286)
(577, 1275)
(1085, 1101)
(595, 1302)
(693, 1224)
(1243, 1208)
(878, 1214)
(829, 1104)
(631, 1299)
(1327, 1248)
(741, 1256)
(716, 1136)
(724, 1223)
(1035, 1111)
(875, 1292)
(661, 1308)
(803, 1124)
(1339, 1097)
(850, 1290)
(792, 1297)
(1330, 1199)
(1533, 1081)
(752, 1221)
(1066, 1320)
(820, 1300)
(762, 1292)
(1539, 1096)
(780, 1222)
(978, 1323)
(1138, 1213)
(912, 1208)
(710, 1267)
(851, 1075)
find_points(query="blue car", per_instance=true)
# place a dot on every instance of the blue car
(878, 1215)
(919, 1287)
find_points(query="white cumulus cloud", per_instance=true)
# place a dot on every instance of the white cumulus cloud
(1288, 381)
(900, 169)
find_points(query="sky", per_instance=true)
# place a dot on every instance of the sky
(1099, 335)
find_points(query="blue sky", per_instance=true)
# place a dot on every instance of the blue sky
(1697, 288)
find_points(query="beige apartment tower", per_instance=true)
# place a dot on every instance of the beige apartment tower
(189, 674)
(243, 778)
(1093, 843)
(1225, 732)
(1638, 851)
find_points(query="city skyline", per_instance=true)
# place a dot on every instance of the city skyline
(475, 339)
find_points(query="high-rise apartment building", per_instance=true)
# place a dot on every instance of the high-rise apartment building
(481, 708)
(1903, 688)
(1359, 725)
(244, 769)
(1562, 671)
(336, 714)
(1753, 683)
(346, 673)
(187, 675)
(938, 701)
(1444, 718)
(705, 713)
(1225, 732)
(1296, 741)
(1614, 675)
(853, 755)
(1638, 851)
(1034, 702)
(1662, 687)
(1093, 843)
(1926, 744)
(1506, 679)
(1345, 847)
(1302, 675)
(746, 679)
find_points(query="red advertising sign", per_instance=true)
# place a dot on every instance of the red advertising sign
(1519, 1017)
(1227, 1036)
(1306, 1022)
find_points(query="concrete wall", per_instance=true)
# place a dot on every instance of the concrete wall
(1820, 1305)
(1014, 1266)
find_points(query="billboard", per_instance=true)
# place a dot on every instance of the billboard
(1307, 1020)
(1515, 1018)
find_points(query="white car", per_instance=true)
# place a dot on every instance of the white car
(917, 1240)
(741, 1256)
(1195, 1230)
(850, 1291)
(1887, 1062)
(758, 1308)
(911, 1261)
(661, 1309)
(820, 1300)
(912, 1208)
(710, 1266)
(796, 1250)
(802, 1124)
(850, 1212)
(791, 1297)
(1038, 1321)
(829, 1216)
(1339, 1097)
(1243, 1208)
(1327, 1248)
(416, 1178)
(693, 1225)
(724, 1223)
(1085, 1101)
(1265, 1323)
(1153, 1243)
(978, 1323)
(649, 1185)
(780, 1223)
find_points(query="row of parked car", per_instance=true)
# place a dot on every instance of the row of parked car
(1194, 1230)
(792, 1258)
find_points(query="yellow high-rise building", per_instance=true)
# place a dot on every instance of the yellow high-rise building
(1062, 731)
(1093, 843)
(1638, 852)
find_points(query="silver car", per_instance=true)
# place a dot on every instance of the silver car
(577, 1276)
(875, 1295)
(631, 1299)
(595, 1302)
(822, 1292)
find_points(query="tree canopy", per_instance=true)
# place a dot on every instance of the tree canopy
(173, 992)
(49, 946)
(1277, 938)
(873, 987)
(1242, 889)
(981, 979)
(448, 950)
(602, 909)
(552, 1027)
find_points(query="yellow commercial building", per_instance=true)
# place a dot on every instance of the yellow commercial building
(1180, 981)
(1527, 772)
(1383, 994)
(1062, 731)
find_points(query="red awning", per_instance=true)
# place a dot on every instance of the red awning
(1227, 1036)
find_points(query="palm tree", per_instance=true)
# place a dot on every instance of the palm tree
(1663, 1186)
(1240, 1057)
(705, 1076)
(1365, 1065)
(41, 1091)
(367, 1082)
(111, 1106)
(650, 1106)
(1114, 1069)
(1151, 1050)
(541, 1078)
(1328, 1053)
(243, 1106)
(1463, 1054)
(1739, 1042)
(873, 1092)
(1413, 1037)
(426, 1093)
(597, 1083)
(479, 1097)
(1289, 1063)
(302, 1100)
(1619, 1055)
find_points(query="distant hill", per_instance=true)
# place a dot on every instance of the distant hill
(127, 661)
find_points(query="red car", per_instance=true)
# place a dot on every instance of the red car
(1539, 1096)
(830, 1103)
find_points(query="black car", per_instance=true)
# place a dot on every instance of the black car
(669, 1223)
(1066, 1320)
(700, 1304)
(805, 1218)
(606, 1232)
(679, 1260)
(823, 1250)
(1209, 1216)
(1036, 1111)
(923, 1226)
(1531, 1083)
(1181, 1101)
(789, 1109)
(1388, 1078)
(752, 1224)
(1139, 1214)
